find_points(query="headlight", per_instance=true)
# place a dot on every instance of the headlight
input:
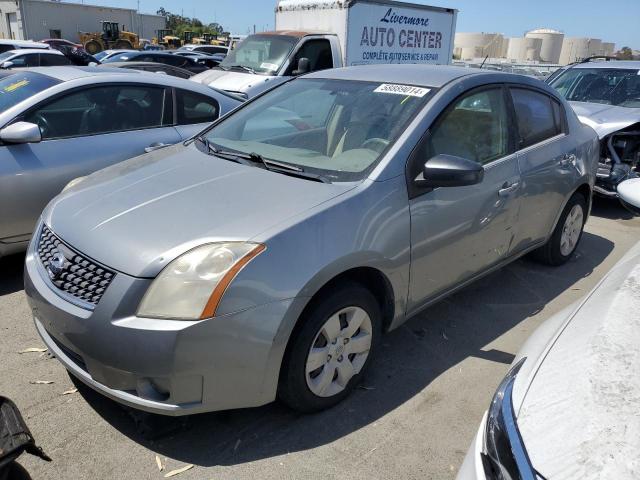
(505, 457)
(73, 183)
(191, 286)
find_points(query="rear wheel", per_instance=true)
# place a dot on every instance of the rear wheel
(92, 47)
(123, 45)
(567, 234)
(328, 356)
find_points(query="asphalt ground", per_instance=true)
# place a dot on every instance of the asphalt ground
(414, 417)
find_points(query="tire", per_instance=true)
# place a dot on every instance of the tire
(557, 251)
(123, 45)
(92, 47)
(325, 386)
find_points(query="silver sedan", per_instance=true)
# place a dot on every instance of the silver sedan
(59, 123)
(266, 257)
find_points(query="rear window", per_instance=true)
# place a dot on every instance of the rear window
(16, 88)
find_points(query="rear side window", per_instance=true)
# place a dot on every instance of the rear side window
(538, 116)
(6, 48)
(53, 60)
(195, 108)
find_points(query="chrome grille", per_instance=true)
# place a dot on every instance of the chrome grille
(81, 278)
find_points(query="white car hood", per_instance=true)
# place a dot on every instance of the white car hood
(579, 416)
(234, 81)
(605, 119)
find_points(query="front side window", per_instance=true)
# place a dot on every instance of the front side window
(536, 117)
(101, 110)
(318, 52)
(260, 53)
(610, 86)
(335, 128)
(475, 127)
(195, 108)
(47, 60)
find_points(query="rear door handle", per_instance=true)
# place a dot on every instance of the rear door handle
(156, 146)
(567, 161)
(507, 189)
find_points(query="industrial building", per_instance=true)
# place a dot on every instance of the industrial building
(39, 19)
(542, 45)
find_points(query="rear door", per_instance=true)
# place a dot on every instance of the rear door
(547, 161)
(83, 131)
(459, 232)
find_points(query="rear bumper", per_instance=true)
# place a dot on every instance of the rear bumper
(162, 366)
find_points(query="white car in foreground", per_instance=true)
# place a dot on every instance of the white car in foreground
(569, 408)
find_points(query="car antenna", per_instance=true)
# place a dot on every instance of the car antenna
(485, 59)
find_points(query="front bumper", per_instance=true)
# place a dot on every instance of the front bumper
(472, 467)
(162, 366)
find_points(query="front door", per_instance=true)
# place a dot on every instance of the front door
(83, 131)
(458, 232)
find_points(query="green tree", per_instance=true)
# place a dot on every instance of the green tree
(625, 53)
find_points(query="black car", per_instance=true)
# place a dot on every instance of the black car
(193, 65)
(152, 67)
(210, 60)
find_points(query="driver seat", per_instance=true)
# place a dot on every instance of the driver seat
(358, 132)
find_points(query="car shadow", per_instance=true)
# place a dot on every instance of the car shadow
(610, 208)
(410, 358)
(11, 268)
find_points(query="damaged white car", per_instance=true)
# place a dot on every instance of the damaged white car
(606, 96)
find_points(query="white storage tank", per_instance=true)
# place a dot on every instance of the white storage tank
(524, 49)
(575, 49)
(468, 46)
(551, 43)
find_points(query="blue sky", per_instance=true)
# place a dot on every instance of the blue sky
(611, 20)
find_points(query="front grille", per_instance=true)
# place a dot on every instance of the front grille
(80, 277)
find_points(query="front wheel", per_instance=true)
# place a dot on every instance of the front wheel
(567, 234)
(328, 356)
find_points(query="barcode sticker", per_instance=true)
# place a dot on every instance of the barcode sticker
(408, 90)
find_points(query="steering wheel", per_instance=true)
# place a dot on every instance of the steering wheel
(45, 127)
(376, 144)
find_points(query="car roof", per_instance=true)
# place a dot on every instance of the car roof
(68, 73)
(617, 64)
(411, 74)
(23, 51)
(24, 43)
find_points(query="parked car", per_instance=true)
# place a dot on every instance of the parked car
(265, 258)
(78, 56)
(206, 59)
(186, 63)
(106, 54)
(567, 408)
(59, 123)
(6, 45)
(32, 58)
(209, 49)
(606, 96)
(629, 194)
(61, 42)
(152, 67)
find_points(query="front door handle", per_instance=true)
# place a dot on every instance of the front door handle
(156, 146)
(507, 189)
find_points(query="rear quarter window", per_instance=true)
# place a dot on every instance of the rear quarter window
(195, 108)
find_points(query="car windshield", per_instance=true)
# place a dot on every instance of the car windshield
(261, 53)
(611, 86)
(16, 88)
(101, 55)
(6, 55)
(119, 57)
(337, 129)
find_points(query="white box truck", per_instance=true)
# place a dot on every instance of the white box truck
(314, 35)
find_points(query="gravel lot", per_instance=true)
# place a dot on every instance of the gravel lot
(425, 395)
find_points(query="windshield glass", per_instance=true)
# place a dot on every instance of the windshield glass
(119, 57)
(16, 88)
(261, 53)
(338, 129)
(611, 86)
(6, 55)
(101, 55)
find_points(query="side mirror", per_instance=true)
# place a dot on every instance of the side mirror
(629, 195)
(6, 65)
(304, 66)
(21, 132)
(449, 171)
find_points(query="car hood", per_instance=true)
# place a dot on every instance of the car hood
(579, 415)
(234, 81)
(139, 215)
(605, 119)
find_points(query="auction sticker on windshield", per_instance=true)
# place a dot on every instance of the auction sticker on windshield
(16, 85)
(409, 90)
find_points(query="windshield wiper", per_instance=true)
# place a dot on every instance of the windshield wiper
(243, 67)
